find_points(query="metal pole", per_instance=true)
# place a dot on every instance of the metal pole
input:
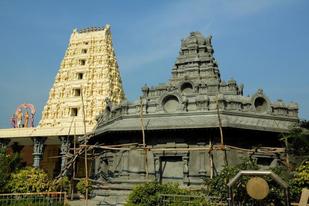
(230, 198)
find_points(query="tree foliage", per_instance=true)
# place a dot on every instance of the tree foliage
(8, 164)
(218, 185)
(29, 180)
(296, 181)
(298, 139)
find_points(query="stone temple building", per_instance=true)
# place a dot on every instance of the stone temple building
(87, 75)
(191, 125)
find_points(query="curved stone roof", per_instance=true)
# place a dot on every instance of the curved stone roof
(191, 97)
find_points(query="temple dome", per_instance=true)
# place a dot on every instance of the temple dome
(195, 59)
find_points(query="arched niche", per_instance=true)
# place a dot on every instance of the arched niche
(260, 104)
(170, 103)
(186, 88)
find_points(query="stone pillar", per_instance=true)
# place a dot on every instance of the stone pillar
(202, 158)
(64, 149)
(4, 142)
(185, 160)
(38, 147)
(125, 163)
(157, 168)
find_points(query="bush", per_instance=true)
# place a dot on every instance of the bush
(299, 180)
(29, 180)
(81, 186)
(302, 175)
(148, 194)
(62, 184)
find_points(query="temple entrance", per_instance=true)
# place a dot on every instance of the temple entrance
(171, 169)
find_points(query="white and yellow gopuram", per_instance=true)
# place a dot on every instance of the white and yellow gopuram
(88, 75)
(89, 71)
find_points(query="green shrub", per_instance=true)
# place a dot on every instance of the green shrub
(148, 194)
(81, 186)
(299, 180)
(62, 184)
(302, 175)
(29, 180)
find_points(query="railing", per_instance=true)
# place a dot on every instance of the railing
(33, 199)
(189, 200)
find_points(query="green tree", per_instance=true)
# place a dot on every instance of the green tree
(8, 164)
(296, 180)
(297, 139)
(218, 185)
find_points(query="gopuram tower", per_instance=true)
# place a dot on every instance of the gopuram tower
(88, 75)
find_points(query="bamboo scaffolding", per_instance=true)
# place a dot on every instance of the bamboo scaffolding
(212, 148)
(143, 135)
(221, 132)
(211, 159)
(286, 146)
(85, 142)
(220, 124)
(74, 163)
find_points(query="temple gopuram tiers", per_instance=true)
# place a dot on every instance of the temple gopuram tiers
(88, 76)
(88, 72)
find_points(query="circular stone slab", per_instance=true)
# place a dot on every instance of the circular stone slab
(257, 188)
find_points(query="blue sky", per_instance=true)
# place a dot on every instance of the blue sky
(260, 43)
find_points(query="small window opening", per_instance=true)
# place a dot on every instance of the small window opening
(86, 43)
(264, 161)
(84, 51)
(82, 61)
(76, 92)
(74, 112)
(80, 75)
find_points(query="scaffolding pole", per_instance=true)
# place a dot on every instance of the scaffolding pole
(74, 163)
(86, 151)
(220, 124)
(143, 135)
